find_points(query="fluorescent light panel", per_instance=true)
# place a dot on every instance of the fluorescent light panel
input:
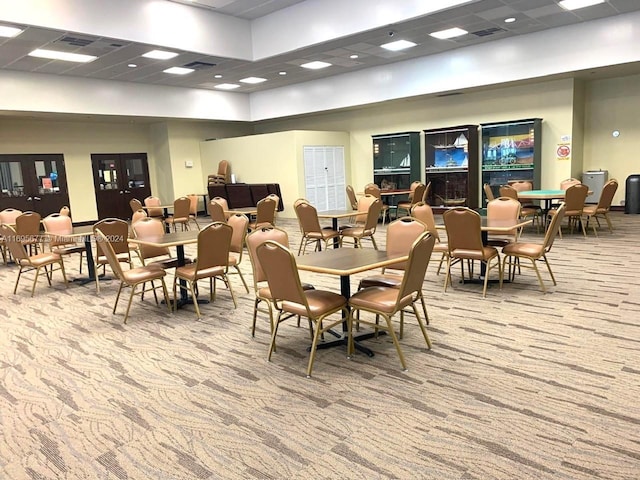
(179, 70)
(398, 45)
(160, 54)
(449, 33)
(317, 65)
(227, 86)
(253, 80)
(66, 56)
(9, 32)
(576, 4)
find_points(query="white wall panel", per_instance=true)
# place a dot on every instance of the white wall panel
(50, 93)
(595, 44)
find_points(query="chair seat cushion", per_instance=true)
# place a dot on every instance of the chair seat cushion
(142, 274)
(380, 299)
(383, 280)
(352, 231)
(320, 302)
(189, 272)
(41, 259)
(441, 247)
(486, 253)
(530, 250)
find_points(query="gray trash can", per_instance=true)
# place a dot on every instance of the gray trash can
(632, 194)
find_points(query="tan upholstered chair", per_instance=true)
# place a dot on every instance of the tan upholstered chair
(28, 229)
(117, 232)
(150, 255)
(181, 207)
(418, 188)
(214, 242)
(603, 206)
(28, 262)
(532, 212)
(424, 213)
(312, 232)
(266, 213)
(351, 197)
(223, 175)
(387, 302)
(224, 204)
(261, 288)
(153, 207)
(193, 209)
(426, 196)
(216, 212)
(565, 184)
(240, 225)
(464, 238)
(488, 192)
(58, 227)
(534, 252)
(139, 215)
(130, 278)
(503, 208)
(135, 205)
(574, 199)
(373, 189)
(8, 217)
(289, 298)
(372, 206)
(401, 234)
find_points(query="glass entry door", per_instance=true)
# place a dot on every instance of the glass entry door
(118, 178)
(33, 182)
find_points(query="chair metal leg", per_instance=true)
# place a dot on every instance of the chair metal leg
(133, 292)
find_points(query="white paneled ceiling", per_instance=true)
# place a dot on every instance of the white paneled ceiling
(483, 19)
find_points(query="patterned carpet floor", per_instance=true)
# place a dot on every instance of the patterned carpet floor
(519, 385)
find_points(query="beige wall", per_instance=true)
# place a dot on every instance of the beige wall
(551, 101)
(270, 158)
(612, 104)
(167, 146)
(76, 141)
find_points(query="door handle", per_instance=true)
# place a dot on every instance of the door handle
(37, 198)
(121, 192)
(29, 199)
(127, 191)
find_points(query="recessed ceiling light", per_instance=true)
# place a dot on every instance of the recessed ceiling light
(510, 20)
(160, 54)
(132, 65)
(217, 76)
(253, 80)
(282, 73)
(576, 4)
(449, 33)
(354, 56)
(66, 56)
(227, 86)
(179, 70)
(315, 65)
(6, 31)
(398, 45)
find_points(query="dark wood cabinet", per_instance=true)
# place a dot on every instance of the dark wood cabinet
(396, 160)
(452, 166)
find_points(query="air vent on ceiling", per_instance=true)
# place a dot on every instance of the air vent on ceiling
(488, 31)
(76, 41)
(199, 65)
(451, 94)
